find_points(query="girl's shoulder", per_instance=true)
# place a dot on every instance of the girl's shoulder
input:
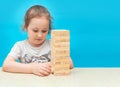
(48, 41)
(20, 43)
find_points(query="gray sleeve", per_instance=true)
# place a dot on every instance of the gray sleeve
(15, 51)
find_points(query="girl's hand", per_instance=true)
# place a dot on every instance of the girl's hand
(41, 69)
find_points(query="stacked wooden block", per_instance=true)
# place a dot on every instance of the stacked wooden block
(60, 52)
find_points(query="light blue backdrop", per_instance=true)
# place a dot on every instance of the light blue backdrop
(94, 27)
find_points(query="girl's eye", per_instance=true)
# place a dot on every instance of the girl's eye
(35, 30)
(44, 31)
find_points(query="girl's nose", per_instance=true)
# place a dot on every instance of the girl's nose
(39, 34)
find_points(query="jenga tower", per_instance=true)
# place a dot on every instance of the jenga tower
(60, 52)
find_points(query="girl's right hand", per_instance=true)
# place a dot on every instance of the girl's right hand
(41, 69)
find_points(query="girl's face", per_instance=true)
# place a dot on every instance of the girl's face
(37, 31)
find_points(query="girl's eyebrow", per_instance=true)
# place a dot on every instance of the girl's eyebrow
(45, 29)
(35, 28)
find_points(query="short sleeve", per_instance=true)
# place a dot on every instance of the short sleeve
(15, 51)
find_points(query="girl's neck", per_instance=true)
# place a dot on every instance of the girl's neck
(34, 45)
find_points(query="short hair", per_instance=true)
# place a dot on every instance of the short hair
(37, 11)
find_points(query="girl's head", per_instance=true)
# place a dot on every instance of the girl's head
(34, 12)
(37, 24)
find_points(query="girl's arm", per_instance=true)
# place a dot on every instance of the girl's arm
(10, 65)
(41, 69)
(71, 64)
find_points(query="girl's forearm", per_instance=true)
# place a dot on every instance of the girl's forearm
(17, 67)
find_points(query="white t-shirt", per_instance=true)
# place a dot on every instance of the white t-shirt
(23, 51)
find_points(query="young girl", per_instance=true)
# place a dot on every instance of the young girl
(34, 52)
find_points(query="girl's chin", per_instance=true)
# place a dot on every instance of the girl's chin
(37, 45)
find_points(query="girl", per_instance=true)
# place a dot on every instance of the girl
(34, 52)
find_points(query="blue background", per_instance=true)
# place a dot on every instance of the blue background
(94, 27)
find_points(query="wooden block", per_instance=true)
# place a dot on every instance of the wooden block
(60, 52)
(62, 71)
(60, 33)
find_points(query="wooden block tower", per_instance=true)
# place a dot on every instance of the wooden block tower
(60, 52)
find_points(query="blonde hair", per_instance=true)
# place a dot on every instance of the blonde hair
(36, 11)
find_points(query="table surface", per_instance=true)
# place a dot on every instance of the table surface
(79, 77)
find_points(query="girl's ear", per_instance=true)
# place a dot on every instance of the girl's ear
(25, 28)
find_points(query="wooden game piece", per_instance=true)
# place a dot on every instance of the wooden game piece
(60, 52)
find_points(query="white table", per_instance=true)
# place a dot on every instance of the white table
(79, 77)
